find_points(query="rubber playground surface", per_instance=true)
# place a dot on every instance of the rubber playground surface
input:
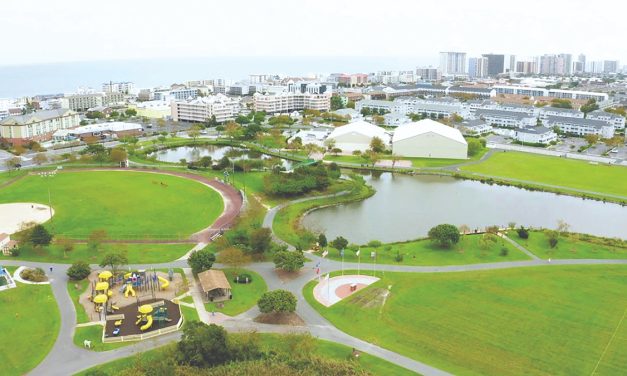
(130, 312)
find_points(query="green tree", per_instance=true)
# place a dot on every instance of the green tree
(277, 301)
(233, 257)
(377, 145)
(202, 345)
(194, 132)
(444, 235)
(233, 130)
(590, 106)
(474, 146)
(40, 236)
(78, 271)
(339, 243)
(131, 112)
(40, 158)
(322, 240)
(552, 237)
(118, 155)
(336, 103)
(289, 261)
(591, 139)
(260, 240)
(201, 260)
(114, 260)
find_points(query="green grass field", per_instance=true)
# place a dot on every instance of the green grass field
(75, 289)
(29, 324)
(562, 172)
(93, 333)
(137, 253)
(332, 350)
(571, 246)
(424, 252)
(543, 320)
(245, 296)
(125, 204)
(415, 162)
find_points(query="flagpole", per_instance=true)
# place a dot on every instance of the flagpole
(329, 288)
(342, 262)
(358, 262)
(374, 265)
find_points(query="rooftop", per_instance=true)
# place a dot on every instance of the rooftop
(427, 126)
(36, 117)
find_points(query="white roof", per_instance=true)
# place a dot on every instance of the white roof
(115, 126)
(426, 126)
(360, 127)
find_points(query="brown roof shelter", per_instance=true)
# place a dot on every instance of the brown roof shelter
(215, 285)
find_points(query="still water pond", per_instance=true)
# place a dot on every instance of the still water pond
(194, 153)
(406, 207)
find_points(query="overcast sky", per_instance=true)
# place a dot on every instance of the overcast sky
(73, 30)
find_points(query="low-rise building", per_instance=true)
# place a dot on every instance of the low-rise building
(115, 129)
(580, 127)
(545, 112)
(614, 119)
(507, 119)
(429, 139)
(394, 119)
(83, 102)
(203, 109)
(354, 114)
(535, 135)
(357, 136)
(475, 127)
(312, 136)
(37, 126)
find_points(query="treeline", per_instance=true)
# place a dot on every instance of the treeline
(302, 180)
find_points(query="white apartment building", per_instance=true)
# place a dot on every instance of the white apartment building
(83, 102)
(118, 87)
(580, 127)
(428, 74)
(200, 110)
(547, 111)
(453, 63)
(507, 119)
(535, 135)
(574, 94)
(476, 127)
(616, 120)
(291, 101)
(478, 67)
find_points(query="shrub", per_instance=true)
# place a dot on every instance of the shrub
(277, 301)
(523, 233)
(243, 278)
(78, 271)
(504, 251)
(34, 275)
(398, 257)
(289, 261)
(40, 236)
(16, 252)
(201, 260)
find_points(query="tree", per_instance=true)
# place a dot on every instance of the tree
(372, 157)
(78, 271)
(95, 239)
(378, 119)
(233, 257)
(322, 240)
(591, 139)
(202, 345)
(260, 240)
(375, 244)
(590, 106)
(194, 132)
(522, 232)
(474, 146)
(289, 261)
(277, 301)
(40, 236)
(336, 151)
(118, 155)
(40, 158)
(562, 227)
(114, 260)
(552, 237)
(66, 244)
(444, 235)
(13, 163)
(131, 112)
(336, 103)
(233, 130)
(201, 260)
(339, 243)
(377, 145)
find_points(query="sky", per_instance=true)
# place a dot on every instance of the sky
(37, 31)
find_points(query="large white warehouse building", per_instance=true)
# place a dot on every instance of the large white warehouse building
(357, 136)
(429, 139)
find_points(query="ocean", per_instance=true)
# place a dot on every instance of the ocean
(29, 80)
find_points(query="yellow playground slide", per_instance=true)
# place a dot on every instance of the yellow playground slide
(164, 283)
(148, 323)
(129, 290)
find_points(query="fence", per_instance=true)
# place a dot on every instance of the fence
(141, 337)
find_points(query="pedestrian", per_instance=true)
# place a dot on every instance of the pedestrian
(51, 269)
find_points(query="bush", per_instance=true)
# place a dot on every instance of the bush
(277, 301)
(40, 236)
(201, 260)
(34, 275)
(504, 251)
(523, 233)
(16, 252)
(78, 271)
(289, 261)
(398, 257)
(243, 278)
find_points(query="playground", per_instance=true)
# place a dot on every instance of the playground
(136, 320)
(108, 294)
(16, 214)
(331, 291)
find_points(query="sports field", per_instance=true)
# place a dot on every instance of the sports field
(556, 171)
(544, 320)
(128, 205)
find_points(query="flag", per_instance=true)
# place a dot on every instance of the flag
(325, 253)
(327, 277)
(357, 253)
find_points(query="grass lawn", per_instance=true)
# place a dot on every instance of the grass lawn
(190, 314)
(543, 320)
(125, 204)
(93, 333)
(424, 252)
(245, 296)
(137, 253)
(6, 176)
(187, 299)
(555, 171)
(572, 246)
(29, 326)
(331, 350)
(415, 162)
(75, 289)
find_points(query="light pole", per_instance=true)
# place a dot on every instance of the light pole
(47, 175)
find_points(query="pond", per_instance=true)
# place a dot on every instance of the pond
(216, 152)
(406, 207)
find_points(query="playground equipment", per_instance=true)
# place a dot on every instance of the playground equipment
(103, 288)
(105, 276)
(100, 300)
(164, 282)
(128, 289)
(144, 316)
